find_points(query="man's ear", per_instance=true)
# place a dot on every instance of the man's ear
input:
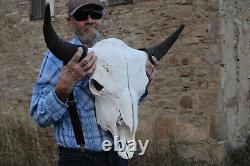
(69, 21)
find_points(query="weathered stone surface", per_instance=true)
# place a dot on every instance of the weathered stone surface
(191, 40)
(164, 126)
(186, 102)
(185, 71)
(173, 61)
(190, 133)
(184, 2)
(184, 61)
(208, 102)
(214, 126)
(195, 152)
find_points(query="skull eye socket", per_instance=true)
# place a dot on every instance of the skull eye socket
(95, 87)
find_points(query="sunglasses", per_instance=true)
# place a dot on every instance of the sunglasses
(81, 15)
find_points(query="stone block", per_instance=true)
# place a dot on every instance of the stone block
(191, 133)
(209, 102)
(197, 60)
(184, 61)
(194, 152)
(173, 61)
(185, 71)
(191, 40)
(164, 126)
(184, 2)
(186, 102)
(203, 84)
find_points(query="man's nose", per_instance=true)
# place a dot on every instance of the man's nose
(90, 20)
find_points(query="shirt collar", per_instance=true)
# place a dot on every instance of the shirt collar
(76, 40)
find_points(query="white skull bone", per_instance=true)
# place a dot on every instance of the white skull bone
(118, 82)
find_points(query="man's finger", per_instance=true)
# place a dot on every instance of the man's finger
(91, 70)
(149, 72)
(147, 65)
(155, 62)
(90, 63)
(77, 55)
(150, 66)
(86, 60)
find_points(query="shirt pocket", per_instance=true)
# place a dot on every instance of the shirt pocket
(84, 101)
(84, 98)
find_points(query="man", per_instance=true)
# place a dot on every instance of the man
(49, 105)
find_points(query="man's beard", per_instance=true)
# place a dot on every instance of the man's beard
(89, 35)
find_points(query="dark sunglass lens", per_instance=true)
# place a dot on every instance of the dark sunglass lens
(80, 16)
(83, 15)
(95, 15)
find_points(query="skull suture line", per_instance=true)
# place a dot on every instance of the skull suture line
(119, 80)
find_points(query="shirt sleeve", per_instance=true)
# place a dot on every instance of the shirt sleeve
(46, 108)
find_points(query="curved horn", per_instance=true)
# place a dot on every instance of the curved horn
(161, 49)
(60, 48)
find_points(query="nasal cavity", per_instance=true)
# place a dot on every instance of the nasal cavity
(98, 87)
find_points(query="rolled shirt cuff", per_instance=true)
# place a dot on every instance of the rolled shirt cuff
(55, 105)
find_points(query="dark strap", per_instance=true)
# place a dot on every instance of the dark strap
(75, 121)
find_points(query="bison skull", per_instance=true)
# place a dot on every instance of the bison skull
(117, 83)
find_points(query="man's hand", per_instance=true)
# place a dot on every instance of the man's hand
(150, 68)
(73, 72)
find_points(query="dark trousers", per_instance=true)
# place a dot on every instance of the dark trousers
(74, 157)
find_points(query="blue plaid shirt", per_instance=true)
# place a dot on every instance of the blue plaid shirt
(47, 109)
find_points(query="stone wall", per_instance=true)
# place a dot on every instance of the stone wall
(181, 116)
(198, 101)
(235, 71)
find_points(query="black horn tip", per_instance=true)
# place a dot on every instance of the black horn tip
(182, 27)
(47, 18)
(161, 49)
(179, 30)
(47, 9)
(47, 5)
